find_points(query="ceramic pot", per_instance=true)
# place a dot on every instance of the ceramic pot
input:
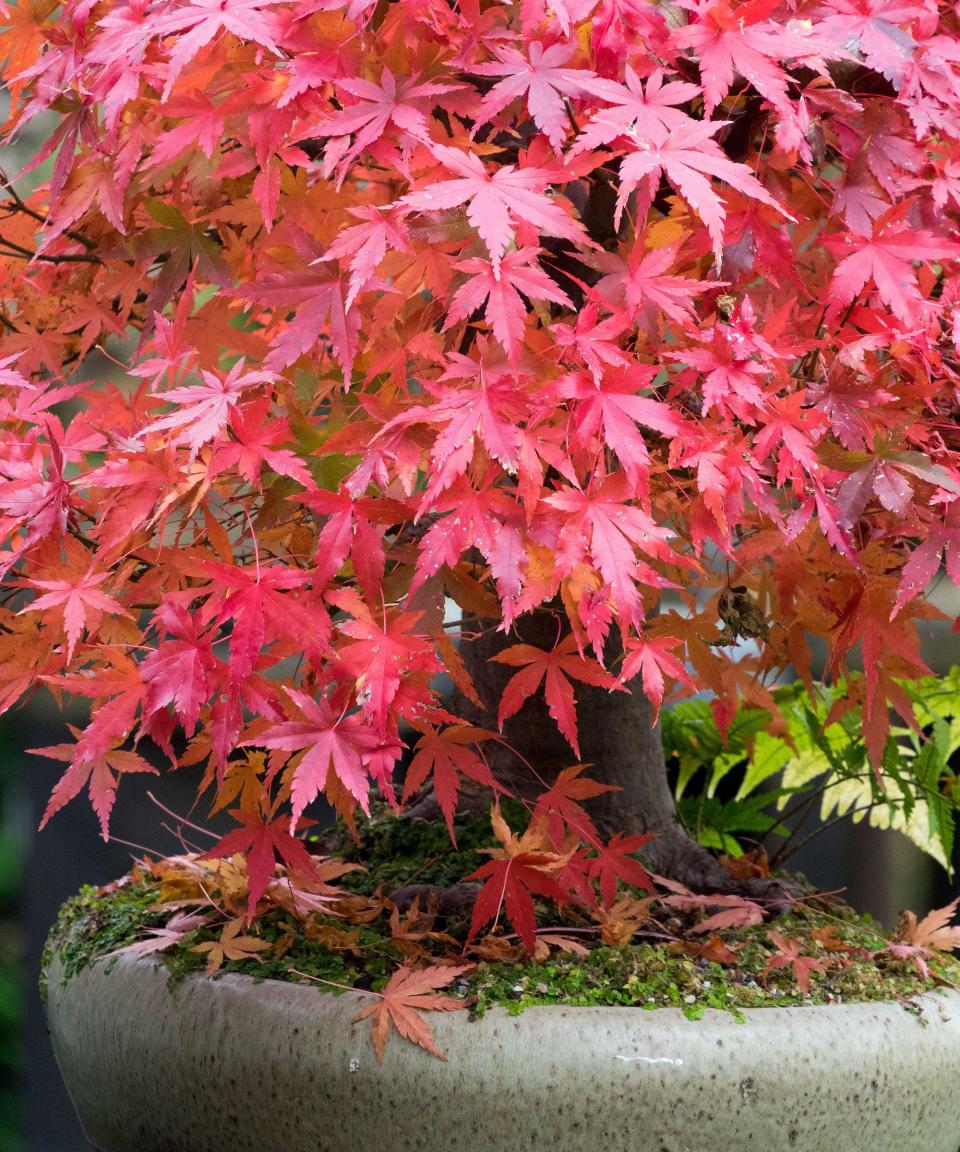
(236, 1065)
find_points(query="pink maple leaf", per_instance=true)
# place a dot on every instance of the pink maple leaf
(643, 283)
(688, 157)
(501, 289)
(77, 597)
(595, 340)
(639, 112)
(650, 660)
(887, 259)
(199, 21)
(739, 40)
(542, 78)
(403, 101)
(613, 407)
(205, 409)
(367, 244)
(331, 742)
(496, 200)
(601, 525)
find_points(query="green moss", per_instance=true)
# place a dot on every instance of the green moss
(90, 927)
(398, 852)
(645, 974)
(650, 976)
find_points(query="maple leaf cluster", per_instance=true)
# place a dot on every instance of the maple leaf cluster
(584, 303)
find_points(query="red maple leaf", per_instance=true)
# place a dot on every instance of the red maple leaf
(350, 531)
(555, 666)
(178, 671)
(559, 805)
(876, 27)
(253, 445)
(446, 755)
(521, 869)
(943, 540)
(381, 655)
(98, 773)
(490, 408)
(614, 863)
(117, 690)
(595, 340)
(613, 407)
(200, 21)
(319, 296)
(262, 843)
(790, 953)
(258, 601)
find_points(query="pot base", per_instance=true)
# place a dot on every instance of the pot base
(233, 1065)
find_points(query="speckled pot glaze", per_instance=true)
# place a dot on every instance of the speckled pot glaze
(232, 1065)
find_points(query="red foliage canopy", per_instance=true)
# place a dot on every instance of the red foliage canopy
(484, 302)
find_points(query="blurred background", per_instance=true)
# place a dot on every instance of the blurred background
(881, 872)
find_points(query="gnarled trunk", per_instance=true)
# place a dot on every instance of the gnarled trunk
(619, 741)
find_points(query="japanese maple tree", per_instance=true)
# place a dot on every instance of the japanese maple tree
(630, 331)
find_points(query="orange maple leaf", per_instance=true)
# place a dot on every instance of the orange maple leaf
(404, 998)
(230, 946)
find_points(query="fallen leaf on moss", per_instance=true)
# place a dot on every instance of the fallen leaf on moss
(176, 928)
(230, 946)
(404, 998)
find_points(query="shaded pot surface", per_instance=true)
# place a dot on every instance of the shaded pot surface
(233, 1065)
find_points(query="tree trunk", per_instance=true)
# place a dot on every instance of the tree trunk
(618, 740)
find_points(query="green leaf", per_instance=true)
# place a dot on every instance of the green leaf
(770, 756)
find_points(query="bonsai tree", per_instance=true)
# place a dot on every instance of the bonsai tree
(401, 400)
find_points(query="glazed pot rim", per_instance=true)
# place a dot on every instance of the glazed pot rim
(918, 1004)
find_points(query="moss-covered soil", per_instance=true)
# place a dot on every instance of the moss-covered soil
(652, 971)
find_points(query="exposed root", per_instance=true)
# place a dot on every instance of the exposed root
(671, 854)
(674, 855)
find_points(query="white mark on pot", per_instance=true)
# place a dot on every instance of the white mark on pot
(354, 1065)
(673, 1061)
